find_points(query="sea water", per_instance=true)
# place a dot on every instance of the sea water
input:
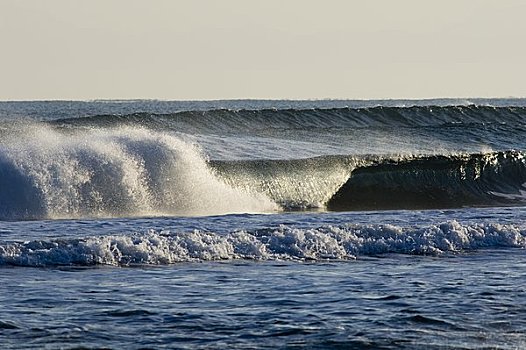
(263, 224)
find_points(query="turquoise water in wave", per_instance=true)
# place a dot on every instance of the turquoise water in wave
(158, 230)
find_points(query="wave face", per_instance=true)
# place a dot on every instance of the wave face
(489, 179)
(278, 243)
(206, 162)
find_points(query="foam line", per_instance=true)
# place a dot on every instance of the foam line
(284, 242)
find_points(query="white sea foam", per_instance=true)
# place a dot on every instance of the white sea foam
(112, 172)
(279, 243)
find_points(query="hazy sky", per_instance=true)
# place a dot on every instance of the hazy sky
(290, 49)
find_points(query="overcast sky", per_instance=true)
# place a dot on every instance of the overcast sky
(279, 49)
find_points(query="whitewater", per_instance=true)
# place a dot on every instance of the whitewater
(392, 224)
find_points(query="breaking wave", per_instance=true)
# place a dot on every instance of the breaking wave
(111, 169)
(109, 173)
(435, 182)
(128, 172)
(273, 243)
(384, 182)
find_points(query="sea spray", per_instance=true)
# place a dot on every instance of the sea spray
(112, 172)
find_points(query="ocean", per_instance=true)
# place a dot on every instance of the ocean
(263, 224)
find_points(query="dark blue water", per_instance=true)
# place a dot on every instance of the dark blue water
(473, 300)
(263, 224)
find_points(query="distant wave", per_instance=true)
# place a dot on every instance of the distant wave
(272, 243)
(224, 120)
